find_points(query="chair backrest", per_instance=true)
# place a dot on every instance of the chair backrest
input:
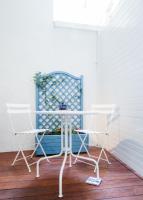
(109, 111)
(19, 116)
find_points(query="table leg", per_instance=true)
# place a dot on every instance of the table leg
(61, 175)
(65, 158)
(89, 159)
(38, 162)
(70, 142)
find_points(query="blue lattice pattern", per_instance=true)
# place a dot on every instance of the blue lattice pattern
(59, 87)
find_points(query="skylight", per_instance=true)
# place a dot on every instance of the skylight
(89, 12)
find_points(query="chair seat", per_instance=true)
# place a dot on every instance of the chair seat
(32, 131)
(86, 131)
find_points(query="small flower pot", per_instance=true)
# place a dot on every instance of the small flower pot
(62, 106)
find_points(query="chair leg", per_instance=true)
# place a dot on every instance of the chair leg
(15, 159)
(103, 149)
(24, 157)
(104, 152)
(82, 145)
(100, 156)
(39, 144)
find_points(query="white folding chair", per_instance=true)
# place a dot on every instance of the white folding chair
(108, 112)
(16, 112)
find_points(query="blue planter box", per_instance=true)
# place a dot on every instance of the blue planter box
(52, 144)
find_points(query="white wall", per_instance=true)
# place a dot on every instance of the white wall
(120, 79)
(28, 44)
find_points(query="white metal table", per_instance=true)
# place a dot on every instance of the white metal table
(66, 141)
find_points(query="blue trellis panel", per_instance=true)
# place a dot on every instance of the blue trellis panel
(53, 89)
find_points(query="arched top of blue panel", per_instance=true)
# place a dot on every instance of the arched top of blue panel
(65, 73)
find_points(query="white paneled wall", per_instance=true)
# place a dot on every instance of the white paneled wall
(120, 79)
(28, 44)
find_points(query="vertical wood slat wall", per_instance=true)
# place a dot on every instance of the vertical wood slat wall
(120, 79)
